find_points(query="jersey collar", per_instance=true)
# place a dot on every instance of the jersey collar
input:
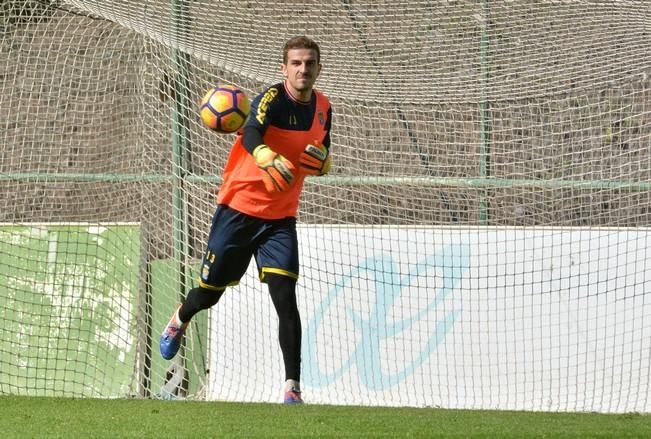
(294, 98)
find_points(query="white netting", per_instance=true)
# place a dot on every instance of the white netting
(507, 126)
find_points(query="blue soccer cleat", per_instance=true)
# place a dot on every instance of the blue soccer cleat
(293, 396)
(170, 340)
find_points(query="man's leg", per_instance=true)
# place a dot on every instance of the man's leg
(227, 256)
(283, 295)
(197, 299)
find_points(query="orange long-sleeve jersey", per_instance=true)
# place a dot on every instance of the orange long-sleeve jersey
(286, 126)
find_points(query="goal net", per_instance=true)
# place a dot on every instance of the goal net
(481, 241)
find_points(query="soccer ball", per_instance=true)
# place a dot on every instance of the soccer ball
(224, 108)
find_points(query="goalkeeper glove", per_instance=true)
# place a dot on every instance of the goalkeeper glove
(277, 171)
(315, 160)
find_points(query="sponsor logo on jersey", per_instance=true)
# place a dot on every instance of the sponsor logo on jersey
(263, 105)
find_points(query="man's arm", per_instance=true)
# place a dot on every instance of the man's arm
(316, 159)
(277, 172)
(252, 137)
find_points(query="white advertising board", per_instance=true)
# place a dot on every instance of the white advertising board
(495, 318)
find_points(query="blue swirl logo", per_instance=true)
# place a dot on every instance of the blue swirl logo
(375, 327)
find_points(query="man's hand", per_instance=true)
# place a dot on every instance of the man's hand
(277, 171)
(315, 160)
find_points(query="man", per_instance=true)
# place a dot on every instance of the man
(285, 138)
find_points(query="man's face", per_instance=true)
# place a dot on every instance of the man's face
(301, 69)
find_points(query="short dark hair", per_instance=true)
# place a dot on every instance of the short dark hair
(301, 42)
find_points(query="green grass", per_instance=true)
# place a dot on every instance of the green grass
(30, 417)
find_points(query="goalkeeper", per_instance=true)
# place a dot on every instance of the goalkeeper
(285, 138)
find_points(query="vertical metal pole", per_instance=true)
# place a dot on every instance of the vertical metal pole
(180, 140)
(180, 147)
(484, 110)
(145, 346)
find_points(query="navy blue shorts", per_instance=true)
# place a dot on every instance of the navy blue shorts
(235, 237)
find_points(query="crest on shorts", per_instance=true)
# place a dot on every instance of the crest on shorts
(205, 272)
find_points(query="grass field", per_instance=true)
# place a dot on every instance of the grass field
(30, 417)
